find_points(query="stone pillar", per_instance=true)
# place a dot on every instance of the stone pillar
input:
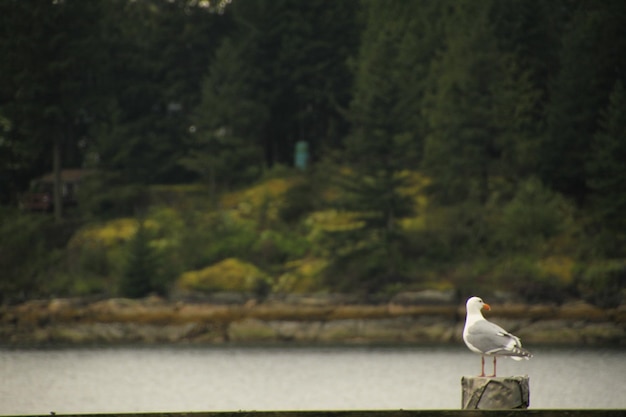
(495, 393)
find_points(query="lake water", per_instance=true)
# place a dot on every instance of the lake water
(166, 378)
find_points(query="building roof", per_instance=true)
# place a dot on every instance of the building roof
(67, 175)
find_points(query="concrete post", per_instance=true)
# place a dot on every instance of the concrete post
(495, 393)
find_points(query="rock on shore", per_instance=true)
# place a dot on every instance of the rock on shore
(409, 318)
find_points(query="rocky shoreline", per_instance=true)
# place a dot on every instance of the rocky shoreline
(312, 320)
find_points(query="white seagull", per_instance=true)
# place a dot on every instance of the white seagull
(483, 337)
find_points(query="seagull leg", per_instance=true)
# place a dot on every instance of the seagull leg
(482, 366)
(494, 367)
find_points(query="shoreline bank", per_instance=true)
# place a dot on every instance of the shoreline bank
(154, 320)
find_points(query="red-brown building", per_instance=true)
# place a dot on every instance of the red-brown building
(40, 196)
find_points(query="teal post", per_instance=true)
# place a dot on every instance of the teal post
(301, 155)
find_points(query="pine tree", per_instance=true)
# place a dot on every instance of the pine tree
(48, 88)
(592, 59)
(140, 269)
(281, 77)
(162, 50)
(381, 149)
(225, 148)
(460, 148)
(607, 173)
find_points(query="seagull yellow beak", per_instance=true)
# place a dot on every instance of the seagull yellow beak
(486, 306)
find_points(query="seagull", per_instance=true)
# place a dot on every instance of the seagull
(486, 338)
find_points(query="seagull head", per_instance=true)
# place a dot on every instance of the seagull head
(475, 304)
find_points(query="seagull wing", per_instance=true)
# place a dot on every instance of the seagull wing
(492, 339)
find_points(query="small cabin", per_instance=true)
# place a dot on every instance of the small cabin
(40, 196)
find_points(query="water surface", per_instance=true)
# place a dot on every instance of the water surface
(131, 379)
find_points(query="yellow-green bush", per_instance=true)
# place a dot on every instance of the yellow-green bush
(559, 267)
(319, 223)
(273, 247)
(261, 202)
(97, 250)
(228, 275)
(302, 276)
(99, 253)
(532, 279)
(107, 234)
(416, 189)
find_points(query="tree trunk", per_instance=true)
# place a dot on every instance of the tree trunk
(56, 166)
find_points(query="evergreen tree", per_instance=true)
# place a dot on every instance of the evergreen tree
(379, 153)
(607, 173)
(161, 50)
(49, 89)
(461, 151)
(280, 77)
(223, 149)
(592, 59)
(139, 274)
(528, 33)
(517, 121)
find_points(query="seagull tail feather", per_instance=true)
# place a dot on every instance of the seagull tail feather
(519, 353)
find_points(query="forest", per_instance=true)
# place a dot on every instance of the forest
(287, 146)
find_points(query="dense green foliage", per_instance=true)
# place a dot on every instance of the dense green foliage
(476, 145)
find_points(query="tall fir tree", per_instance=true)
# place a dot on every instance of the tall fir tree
(224, 149)
(592, 58)
(49, 89)
(461, 151)
(162, 50)
(606, 173)
(374, 173)
(139, 273)
(280, 78)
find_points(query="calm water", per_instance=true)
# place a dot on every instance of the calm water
(107, 380)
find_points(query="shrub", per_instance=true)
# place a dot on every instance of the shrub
(299, 200)
(603, 284)
(108, 234)
(139, 275)
(533, 280)
(228, 238)
(260, 203)
(31, 249)
(534, 215)
(274, 247)
(96, 254)
(559, 267)
(228, 275)
(302, 276)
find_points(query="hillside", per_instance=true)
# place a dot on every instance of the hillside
(284, 235)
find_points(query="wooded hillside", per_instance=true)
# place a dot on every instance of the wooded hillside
(474, 145)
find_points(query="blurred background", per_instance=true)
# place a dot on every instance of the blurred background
(283, 204)
(183, 147)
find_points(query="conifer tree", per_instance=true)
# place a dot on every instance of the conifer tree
(162, 50)
(592, 59)
(224, 148)
(379, 153)
(460, 148)
(48, 89)
(139, 273)
(280, 77)
(607, 172)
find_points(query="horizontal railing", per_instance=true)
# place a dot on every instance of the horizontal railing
(379, 413)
